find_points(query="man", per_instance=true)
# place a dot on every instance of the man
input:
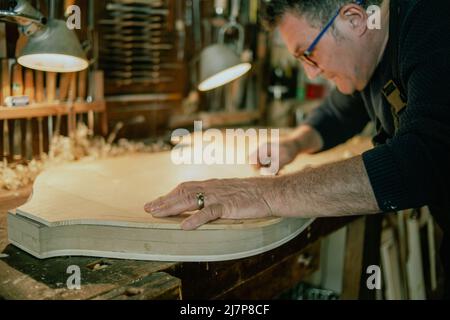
(396, 76)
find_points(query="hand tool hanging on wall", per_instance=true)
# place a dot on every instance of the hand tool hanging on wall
(157, 38)
(40, 91)
(81, 92)
(216, 97)
(181, 30)
(50, 80)
(188, 18)
(119, 31)
(82, 82)
(136, 9)
(30, 93)
(197, 32)
(17, 91)
(236, 90)
(194, 8)
(3, 55)
(119, 23)
(5, 89)
(40, 98)
(72, 96)
(135, 34)
(121, 16)
(134, 17)
(64, 83)
(50, 84)
(253, 11)
(93, 43)
(63, 93)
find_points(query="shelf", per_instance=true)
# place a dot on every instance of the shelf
(47, 110)
(145, 98)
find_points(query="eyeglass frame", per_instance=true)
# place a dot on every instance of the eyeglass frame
(306, 56)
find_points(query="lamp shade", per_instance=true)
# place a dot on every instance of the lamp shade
(54, 48)
(220, 65)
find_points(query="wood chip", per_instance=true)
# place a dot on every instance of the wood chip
(64, 149)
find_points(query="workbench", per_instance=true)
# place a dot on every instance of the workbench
(260, 277)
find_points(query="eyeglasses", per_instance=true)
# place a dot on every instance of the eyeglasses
(306, 56)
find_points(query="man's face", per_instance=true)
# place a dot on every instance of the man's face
(337, 59)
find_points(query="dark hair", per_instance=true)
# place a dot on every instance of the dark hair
(318, 12)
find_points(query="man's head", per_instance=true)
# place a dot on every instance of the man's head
(347, 55)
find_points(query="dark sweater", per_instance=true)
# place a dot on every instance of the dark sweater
(411, 167)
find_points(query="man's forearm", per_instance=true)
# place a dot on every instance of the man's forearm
(336, 189)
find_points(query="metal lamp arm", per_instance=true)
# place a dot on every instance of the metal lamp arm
(25, 15)
(234, 24)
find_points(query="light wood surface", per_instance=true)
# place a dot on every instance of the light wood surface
(95, 208)
(114, 191)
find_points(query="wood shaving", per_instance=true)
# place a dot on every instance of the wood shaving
(68, 149)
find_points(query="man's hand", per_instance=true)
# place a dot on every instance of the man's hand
(305, 140)
(337, 189)
(224, 199)
(286, 152)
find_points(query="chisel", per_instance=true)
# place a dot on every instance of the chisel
(39, 93)
(40, 97)
(30, 92)
(82, 91)
(90, 98)
(51, 96)
(180, 26)
(63, 96)
(17, 91)
(6, 83)
(29, 85)
(96, 93)
(51, 87)
(90, 73)
(72, 95)
(82, 78)
(5, 88)
(6, 92)
(64, 83)
(4, 67)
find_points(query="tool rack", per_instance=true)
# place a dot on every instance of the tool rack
(68, 112)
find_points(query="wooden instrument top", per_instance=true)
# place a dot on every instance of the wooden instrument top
(114, 191)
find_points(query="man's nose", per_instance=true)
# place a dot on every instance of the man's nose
(311, 71)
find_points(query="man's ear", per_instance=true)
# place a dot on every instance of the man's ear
(354, 19)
